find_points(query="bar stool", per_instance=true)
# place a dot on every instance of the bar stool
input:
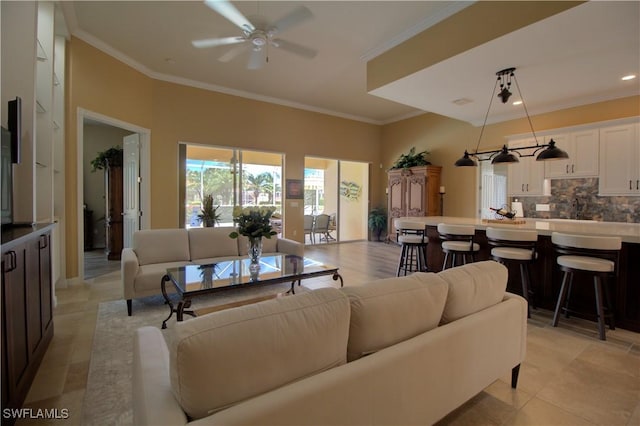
(457, 241)
(587, 254)
(516, 246)
(413, 257)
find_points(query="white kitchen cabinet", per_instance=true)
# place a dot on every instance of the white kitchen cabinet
(526, 178)
(620, 160)
(582, 147)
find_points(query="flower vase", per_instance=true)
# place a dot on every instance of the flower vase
(255, 251)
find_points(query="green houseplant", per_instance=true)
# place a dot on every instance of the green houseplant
(209, 215)
(112, 156)
(411, 159)
(377, 221)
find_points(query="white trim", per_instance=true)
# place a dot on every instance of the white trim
(576, 128)
(450, 9)
(100, 45)
(145, 175)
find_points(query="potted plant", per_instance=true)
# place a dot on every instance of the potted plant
(209, 215)
(377, 221)
(411, 159)
(112, 156)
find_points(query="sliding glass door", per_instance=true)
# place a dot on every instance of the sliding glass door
(233, 177)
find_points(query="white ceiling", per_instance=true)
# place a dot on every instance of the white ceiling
(573, 58)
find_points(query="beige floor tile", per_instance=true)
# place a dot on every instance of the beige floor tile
(483, 409)
(538, 412)
(68, 404)
(532, 378)
(612, 358)
(76, 376)
(598, 394)
(634, 420)
(48, 383)
(501, 389)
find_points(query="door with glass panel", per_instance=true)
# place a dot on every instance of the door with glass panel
(232, 177)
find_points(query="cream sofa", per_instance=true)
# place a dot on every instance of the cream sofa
(155, 250)
(405, 350)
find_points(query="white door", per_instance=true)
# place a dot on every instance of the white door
(131, 187)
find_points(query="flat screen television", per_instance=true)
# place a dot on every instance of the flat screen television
(6, 172)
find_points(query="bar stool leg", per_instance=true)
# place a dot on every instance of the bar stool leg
(525, 287)
(561, 298)
(609, 300)
(566, 305)
(403, 253)
(446, 258)
(597, 284)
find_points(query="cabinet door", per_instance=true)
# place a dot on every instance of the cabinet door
(46, 294)
(559, 168)
(584, 153)
(527, 176)
(416, 194)
(14, 302)
(618, 160)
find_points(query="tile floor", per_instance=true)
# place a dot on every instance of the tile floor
(569, 376)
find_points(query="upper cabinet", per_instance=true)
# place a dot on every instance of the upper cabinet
(582, 147)
(526, 178)
(620, 160)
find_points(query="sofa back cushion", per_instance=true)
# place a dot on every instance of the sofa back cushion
(269, 245)
(161, 245)
(205, 243)
(472, 288)
(223, 358)
(388, 311)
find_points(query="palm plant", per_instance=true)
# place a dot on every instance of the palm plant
(209, 215)
(377, 221)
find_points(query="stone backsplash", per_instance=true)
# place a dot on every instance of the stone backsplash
(579, 199)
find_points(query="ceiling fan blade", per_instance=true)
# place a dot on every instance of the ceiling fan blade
(257, 59)
(297, 15)
(229, 11)
(295, 48)
(233, 52)
(212, 42)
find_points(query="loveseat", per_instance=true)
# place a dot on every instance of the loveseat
(155, 250)
(405, 350)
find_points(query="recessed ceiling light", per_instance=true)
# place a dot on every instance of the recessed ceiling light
(517, 103)
(629, 77)
(462, 101)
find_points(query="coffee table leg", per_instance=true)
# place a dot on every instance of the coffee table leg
(163, 282)
(336, 277)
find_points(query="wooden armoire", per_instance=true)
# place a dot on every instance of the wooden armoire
(114, 210)
(412, 192)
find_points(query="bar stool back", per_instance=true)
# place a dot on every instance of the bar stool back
(595, 255)
(516, 246)
(457, 241)
(413, 257)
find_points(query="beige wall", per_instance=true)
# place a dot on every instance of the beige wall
(446, 139)
(176, 113)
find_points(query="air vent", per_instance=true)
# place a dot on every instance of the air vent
(462, 101)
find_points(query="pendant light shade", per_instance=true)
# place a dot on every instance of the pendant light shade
(552, 152)
(505, 157)
(465, 161)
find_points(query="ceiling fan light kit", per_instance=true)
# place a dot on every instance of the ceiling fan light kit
(260, 39)
(548, 151)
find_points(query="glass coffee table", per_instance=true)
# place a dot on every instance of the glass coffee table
(196, 280)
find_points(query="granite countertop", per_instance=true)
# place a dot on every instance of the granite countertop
(629, 232)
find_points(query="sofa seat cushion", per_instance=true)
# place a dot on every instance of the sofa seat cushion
(472, 288)
(223, 358)
(161, 245)
(149, 276)
(207, 243)
(391, 310)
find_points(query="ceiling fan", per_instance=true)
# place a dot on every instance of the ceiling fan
(257, 37)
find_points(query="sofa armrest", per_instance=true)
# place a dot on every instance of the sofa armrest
(129, 269)
(287, 246)
(153, 400)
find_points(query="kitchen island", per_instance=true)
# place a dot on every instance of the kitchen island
(546, 276)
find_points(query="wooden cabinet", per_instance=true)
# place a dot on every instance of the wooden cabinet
(620, 160)
(113, 197)
(27, 309)
(526, 177)
(582, 147)
(413, 192)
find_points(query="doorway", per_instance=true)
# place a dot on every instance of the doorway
(338, 189)
(97, 133)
